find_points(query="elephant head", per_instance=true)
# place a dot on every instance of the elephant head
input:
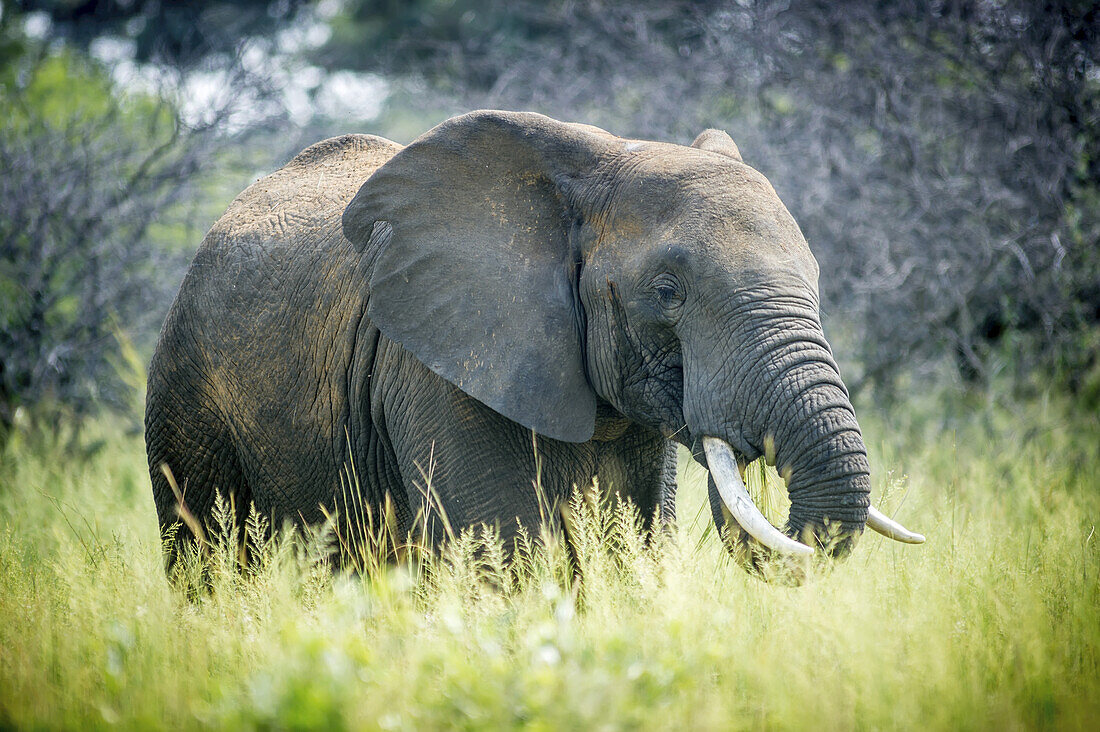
(543, 267)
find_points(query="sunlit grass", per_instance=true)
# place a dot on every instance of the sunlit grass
(994, 623)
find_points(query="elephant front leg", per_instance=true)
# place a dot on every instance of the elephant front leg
(464, 465)
(641, 465)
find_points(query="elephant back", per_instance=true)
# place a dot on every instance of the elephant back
(303, 200)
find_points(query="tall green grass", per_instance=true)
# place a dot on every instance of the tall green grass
(993, 624)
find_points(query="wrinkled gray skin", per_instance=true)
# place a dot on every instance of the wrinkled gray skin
(506, 282)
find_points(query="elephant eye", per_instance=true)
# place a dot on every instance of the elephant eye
(668, 292)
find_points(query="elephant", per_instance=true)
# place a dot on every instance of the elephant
(507, 308)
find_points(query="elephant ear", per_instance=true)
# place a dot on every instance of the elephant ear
(467, 231)
(719, 142)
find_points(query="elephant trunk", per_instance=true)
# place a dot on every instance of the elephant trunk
(804, 422)
(795, 410)
(820, 452)
(807, 428)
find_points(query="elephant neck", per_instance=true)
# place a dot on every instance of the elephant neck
(610, 424)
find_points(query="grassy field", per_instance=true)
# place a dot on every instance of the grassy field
(993, 624)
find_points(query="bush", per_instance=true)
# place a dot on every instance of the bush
(90, 175)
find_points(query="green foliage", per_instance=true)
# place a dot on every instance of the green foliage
(168, 32)
(84, 274)
(994, 623)
(464, 45)
(101, 206)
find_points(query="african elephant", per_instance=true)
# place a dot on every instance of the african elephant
(507, 300)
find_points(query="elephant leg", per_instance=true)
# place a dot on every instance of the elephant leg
(464, 465)
(641, 465)
(191, 448)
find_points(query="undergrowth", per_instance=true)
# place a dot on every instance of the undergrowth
(993, 623)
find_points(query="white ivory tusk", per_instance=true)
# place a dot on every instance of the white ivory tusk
(888, 527)
(727, 478)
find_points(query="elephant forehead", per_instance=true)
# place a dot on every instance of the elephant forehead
(655, 169)
(710, 205)
(659, 187)
(738, 222)
(762, 241)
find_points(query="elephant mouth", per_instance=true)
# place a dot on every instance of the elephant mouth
(757, 530)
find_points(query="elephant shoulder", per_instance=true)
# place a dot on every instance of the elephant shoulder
(302, 202)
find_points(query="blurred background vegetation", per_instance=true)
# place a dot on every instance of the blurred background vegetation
(943, 158)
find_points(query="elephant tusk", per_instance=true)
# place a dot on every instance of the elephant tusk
(727, 478)
(888, 527)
